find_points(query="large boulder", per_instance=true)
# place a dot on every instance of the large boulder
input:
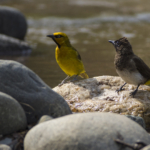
(12, 22)
(36, 98)
(98, 94)
(85, 131)
(12, 115)
(12, 46)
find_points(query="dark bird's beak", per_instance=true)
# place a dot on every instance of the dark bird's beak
(51, 36)
(113, 42)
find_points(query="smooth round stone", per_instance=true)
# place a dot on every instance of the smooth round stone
(4, 147)
(44, 118)
(85, 131)
(12, 115)
(36, 98)
(12, 22)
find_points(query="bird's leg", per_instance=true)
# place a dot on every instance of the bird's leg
(64, 81)
(134, 92)
(121, 88)
(74, 79)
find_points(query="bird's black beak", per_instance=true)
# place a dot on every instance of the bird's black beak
(51, 36)
(113, 42)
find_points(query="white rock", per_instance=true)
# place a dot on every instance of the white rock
(85, 131)
(98, 94)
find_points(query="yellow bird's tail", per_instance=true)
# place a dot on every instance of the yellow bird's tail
(84, 75)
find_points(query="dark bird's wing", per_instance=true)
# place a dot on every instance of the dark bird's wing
(142, 67)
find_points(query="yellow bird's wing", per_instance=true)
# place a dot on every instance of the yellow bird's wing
(77, 54)
(84, 74)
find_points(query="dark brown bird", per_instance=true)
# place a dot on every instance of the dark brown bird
(130, 67)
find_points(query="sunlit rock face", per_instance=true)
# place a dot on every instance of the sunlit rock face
(98, 94)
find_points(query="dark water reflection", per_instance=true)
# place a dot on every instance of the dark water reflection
(89, 35)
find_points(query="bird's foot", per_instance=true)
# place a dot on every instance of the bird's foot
(63, 83)
(74, 79)
(60, 84)
(120, 89)
(133, 93)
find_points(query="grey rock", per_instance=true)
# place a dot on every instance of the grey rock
(137, 119)
(12, 22)
(44, 118)
(12, 116)
(146, 147)
(86, 131)
(36, 98)
(12, 46)
(4, 147)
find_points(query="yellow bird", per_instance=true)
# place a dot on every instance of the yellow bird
(68, 57)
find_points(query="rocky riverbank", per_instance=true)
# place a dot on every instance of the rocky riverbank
(24, 98)
(35, 117)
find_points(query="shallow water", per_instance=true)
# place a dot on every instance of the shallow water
(89, 25)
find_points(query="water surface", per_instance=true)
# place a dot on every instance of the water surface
(89, 25)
